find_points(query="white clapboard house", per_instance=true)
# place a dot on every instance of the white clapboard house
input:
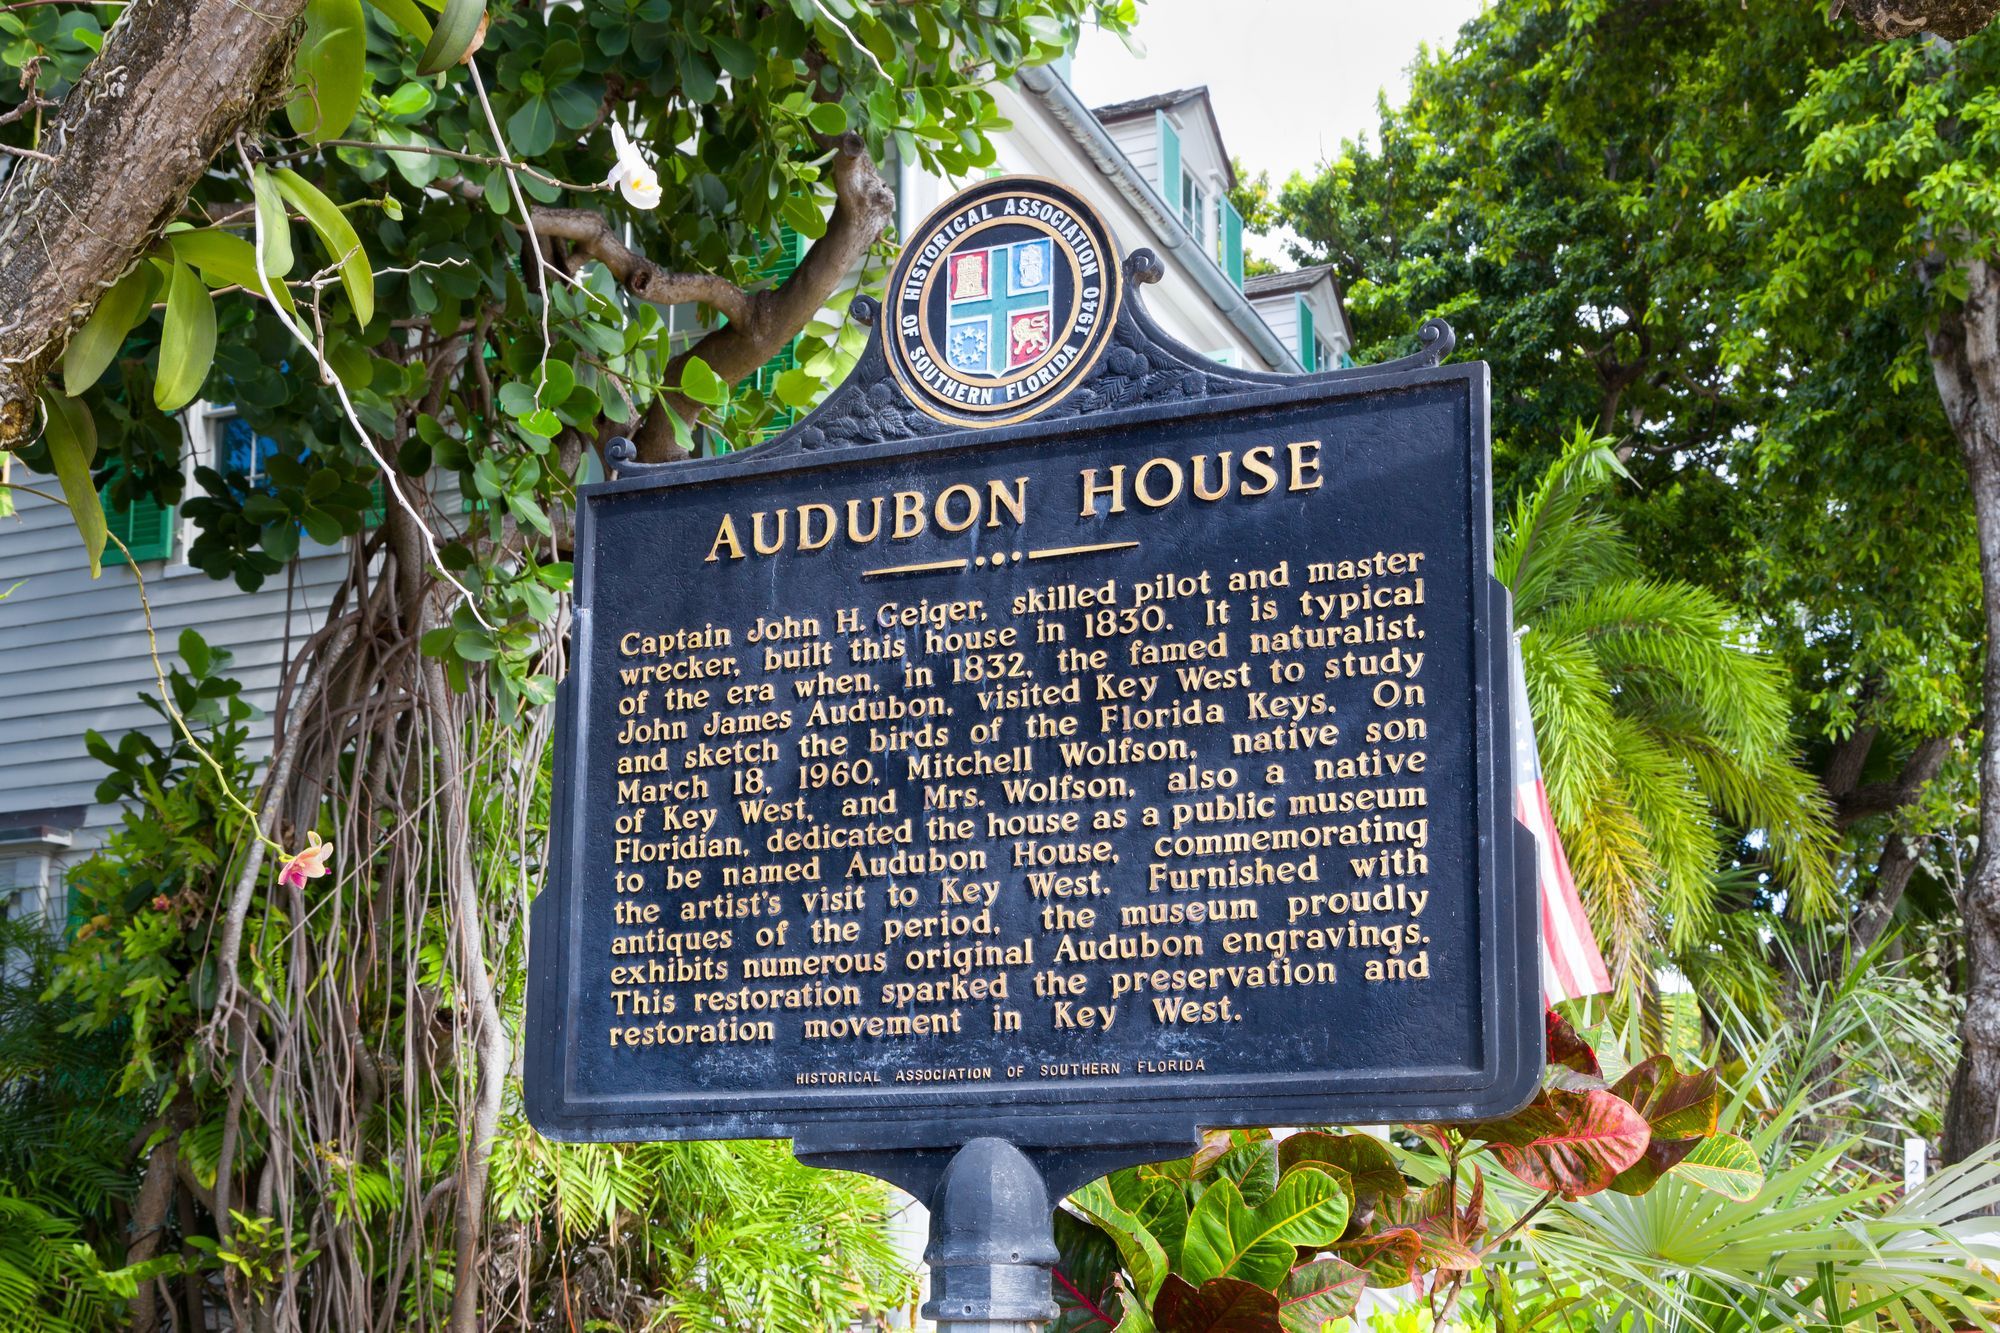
(73, 652)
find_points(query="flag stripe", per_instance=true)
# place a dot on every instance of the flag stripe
(1572, 964)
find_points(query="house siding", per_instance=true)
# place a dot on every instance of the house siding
(74, 655)
(1282, 314)
(1139, 139)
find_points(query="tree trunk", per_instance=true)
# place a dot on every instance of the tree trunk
(1965, 359)
(175, 82)
(1886, 20)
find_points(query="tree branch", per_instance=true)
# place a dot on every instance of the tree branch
(1881, 798)
(592, 234)
(760, 323)
(175, 81)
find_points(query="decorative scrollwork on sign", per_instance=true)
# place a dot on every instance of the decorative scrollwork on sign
(1144, 267)
(1143, 365)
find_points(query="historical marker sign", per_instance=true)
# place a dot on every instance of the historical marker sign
(1055, 736)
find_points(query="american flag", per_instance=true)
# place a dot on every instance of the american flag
(1572, 967)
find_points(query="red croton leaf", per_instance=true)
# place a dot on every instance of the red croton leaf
(1220, 1305)
(1316, 1293)
(1682, 1110)
(1567, 1049)
(1390, 1257)
(1575, 1143)
(1214, 1143)
(1366, 1160)
(1450, 1233)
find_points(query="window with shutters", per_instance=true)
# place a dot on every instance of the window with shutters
(1229, 243)
(1194, 205)
(1307, 342)
(243, 457)
(146, 526)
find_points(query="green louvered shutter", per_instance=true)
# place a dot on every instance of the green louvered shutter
(145, 526)
(791, 249)
(1170, 163)
(1308, 339)
(1232, 243)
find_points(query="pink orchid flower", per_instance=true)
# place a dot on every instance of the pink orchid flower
(308, 864)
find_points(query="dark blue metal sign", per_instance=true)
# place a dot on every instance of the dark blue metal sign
(1136, 764)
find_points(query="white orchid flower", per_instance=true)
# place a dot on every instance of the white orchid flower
(634, 175)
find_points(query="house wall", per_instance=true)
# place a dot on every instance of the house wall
(74, 657)
(1139, 139)
(1281, 312)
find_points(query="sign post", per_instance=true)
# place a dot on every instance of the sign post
(1054, 745)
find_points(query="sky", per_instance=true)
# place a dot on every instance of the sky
(1289, 78)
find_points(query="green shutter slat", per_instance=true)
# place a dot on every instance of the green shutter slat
(1232, 243)
(1308, 341)
(145, 526)
(1170, 163)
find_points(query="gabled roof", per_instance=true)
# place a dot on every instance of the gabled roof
(1139, 106)
(1146, 106)
(1298, 280)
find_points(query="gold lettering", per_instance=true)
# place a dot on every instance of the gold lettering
(726, 533)
(1305, 463)
(807, 542)
(1115, 488)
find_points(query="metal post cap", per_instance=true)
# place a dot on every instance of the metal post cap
(991, 1239)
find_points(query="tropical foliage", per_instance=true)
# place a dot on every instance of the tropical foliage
(1658, 1199)
(1256, 1233)
(1667, 737)
(450, 254)
(1721, 235)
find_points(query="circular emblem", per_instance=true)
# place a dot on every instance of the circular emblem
(1002, 302)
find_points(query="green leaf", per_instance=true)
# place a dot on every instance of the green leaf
(796, 387)
(1145, 1262)
(321, 526)
(226, 261)
(405, 16)
(1725, 1165)
(1225, 1239)
(408, 100)
(456, 37)
(1086, 1289)
(274, 227)
(72, 440)
(1308, 1210)
(531, 130)
(187, 343)
(333, 66)
(195, 652)
(1316, 1293)
(1253, 1167)
(828, 117)
(337, 235)
(94, 346)
(702, 384)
